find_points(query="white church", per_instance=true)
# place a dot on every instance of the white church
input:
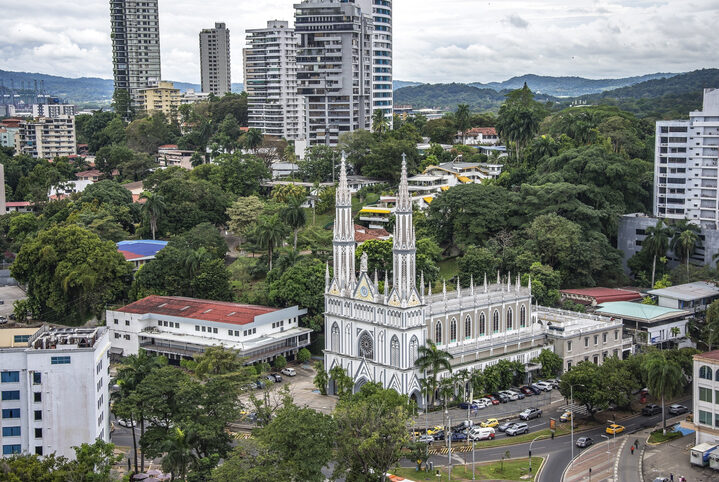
(375, 335)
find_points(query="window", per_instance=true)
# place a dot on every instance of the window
(38, 415)
(482, 325)
(453, 330)
(38, 450)
(127, 322)
(586, 341)
(159, 322)
(37, 397)
(10, 377)
(616, 335)
(60, 360)
(204, 329)
(11, 413)
(596, 339)
(509, 318)
(38, 433)
(438, 332)
(604, 337)
(569, 365)
(197, 327)
(495, 321)
(11, 395)
(705, 372)
(522, 317)
(229, 332)
(335, 338)
(569, 346)
(214, 330)
(394, 352)
(705, 417)
(467, 328)
(11, 449)
(117, 335)
(705, 394)
(11, 431)
(717, 375)
(413, 349)
(115, 321)
(127, 337)
(21, 338)
(596, 359)
(98, 368)
(366, 346)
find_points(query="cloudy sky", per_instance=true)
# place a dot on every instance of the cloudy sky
(434, 40)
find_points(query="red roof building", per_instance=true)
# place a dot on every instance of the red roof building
(597, 296)
(12, 122)
(363, 234)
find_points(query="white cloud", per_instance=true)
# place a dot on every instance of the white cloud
(449, 40)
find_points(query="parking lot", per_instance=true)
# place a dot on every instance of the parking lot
(8, 296)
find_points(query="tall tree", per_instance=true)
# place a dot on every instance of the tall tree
(153, 208)
(294, 215)
(269, 233)
(433, 359)
(664, 379)
(380, 124)
(253, 139)
(685, 241)
(463, 119)
(657, 242)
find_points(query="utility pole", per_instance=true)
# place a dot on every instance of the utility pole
(448, 433)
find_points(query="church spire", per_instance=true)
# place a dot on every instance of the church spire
(343, 243)
(404, 251)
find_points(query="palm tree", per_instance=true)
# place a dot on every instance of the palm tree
(178, 454)
(460, 379)
(154, 209)
(432, 358)
(476, 382)
(664, 379)
(462, 119)
(270, 233)
(657, 242)
(675, 331)
(684, 243)
(380, 125)
(294, 215)
(446, 389)
(253, 139)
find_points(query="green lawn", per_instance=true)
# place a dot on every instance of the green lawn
(448, 269)
(513, 469)
(657, 437)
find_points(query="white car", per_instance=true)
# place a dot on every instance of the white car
(290, 372)
(126, 423)
(510, 394)
(546, 386)
(481, 403)
(480, 433)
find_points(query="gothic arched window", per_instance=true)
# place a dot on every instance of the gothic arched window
(335, 339)
(495, 322)
(366, 346)
(467, 328)
(522, 317)
(413, 349)
(482, 325)
(453, 330)
(438, 333)
(394, 352)
(509, 318)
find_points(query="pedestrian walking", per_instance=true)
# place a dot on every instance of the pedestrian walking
(631, 448)
(671, 477)
(636, 443)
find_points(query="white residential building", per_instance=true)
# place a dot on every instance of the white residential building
(334, 68)
(215, 60)
(270, 73)
(686, 164)
(478, 135)
(695, 297)
(382, 93)
(706, 398)
(52, 110)
(135, 45)
(180, 328)
(54, 386)
(47, 138)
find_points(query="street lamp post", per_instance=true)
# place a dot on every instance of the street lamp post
(614, 435)
(530, 452)
(448, 433)
(571, 413)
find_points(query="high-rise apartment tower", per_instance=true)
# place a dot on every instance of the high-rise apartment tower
(270, 75)
(215, 60)
(686, 164)
(381, 11)
(334, 68)
(135, 44)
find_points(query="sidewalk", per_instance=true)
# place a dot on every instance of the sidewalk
(673, 458)
(628, 466)
(597, 458)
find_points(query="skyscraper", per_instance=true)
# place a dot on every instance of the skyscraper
(135, 45)
(215, 60)
(381, 11)
(334, 68)
(270, 74)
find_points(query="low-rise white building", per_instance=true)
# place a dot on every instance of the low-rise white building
(706, 398)
(181, 328)
(54, 389)
(650, 324)
(694, 297)
(477, 136)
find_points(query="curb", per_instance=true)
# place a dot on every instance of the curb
(538, 474)
(641, 464)
(619, 458)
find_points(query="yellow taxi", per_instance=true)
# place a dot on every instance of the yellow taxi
(490, 422)
(565, 417)
(434, 430)
(614, 429)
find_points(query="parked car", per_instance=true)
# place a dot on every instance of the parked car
(554, 382)
(468, 405)
(278, 377)
(427, 439)
(518, 428)
(490, 422)
(518, 392)
(12, 316)
(435, 429)
(126, 423)
(566, 417)
(439, 435)
(535, 389)
(479, 433)
(259, 385)
(614, 429)
(459, 437)
(492, 399)
(545, 386)
(530, 413)
(481, 403)
(504, 426)
(270, 378)
(660, 479)
(676, 409)
(501, 397)
(290, 372)
(584, 442)
(3, 320)
(527, 391)
(651, 409)
(511, 395)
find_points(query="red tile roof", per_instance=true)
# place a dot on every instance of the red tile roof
(486, 131)
(89, 173)
(128, 255)
(363, 234)
(605, 295)
(206, 310)
(711, 355)
(168, 146)
(18, 204)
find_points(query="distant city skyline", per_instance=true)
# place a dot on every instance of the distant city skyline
(455, 40)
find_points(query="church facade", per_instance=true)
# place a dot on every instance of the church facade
(375, 336)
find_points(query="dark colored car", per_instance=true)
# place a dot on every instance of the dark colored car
(278, 377)
(495, 400)
(467, 405)
(651, 409)
(584, 442)
(527, 391)
(504, 426)
(535, 389)
(459, 437)
(501, 397)
(439, 435)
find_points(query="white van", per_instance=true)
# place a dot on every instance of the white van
(290, 372)
(480, 433)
